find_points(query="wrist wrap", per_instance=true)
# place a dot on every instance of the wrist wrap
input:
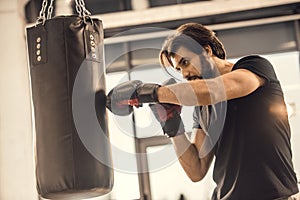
(147, 93)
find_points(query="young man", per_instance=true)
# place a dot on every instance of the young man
(253, 158)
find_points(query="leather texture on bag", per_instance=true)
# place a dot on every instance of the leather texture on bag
(57, 49)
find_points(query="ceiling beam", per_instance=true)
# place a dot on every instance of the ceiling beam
(184, 11)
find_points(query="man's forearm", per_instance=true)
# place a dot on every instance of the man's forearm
(184, 94)
(189, 158)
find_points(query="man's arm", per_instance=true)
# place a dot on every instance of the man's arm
(232, 85)
(194, 164)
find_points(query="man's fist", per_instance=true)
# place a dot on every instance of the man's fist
(121, 99)
(169, 117)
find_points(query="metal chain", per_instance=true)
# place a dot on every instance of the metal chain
(78, 8)
(42, 14)
(81, 9)
(50, 10)
(85, 11)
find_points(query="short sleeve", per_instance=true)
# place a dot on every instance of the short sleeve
(196, 117)
(258, 65)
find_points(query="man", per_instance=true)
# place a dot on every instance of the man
(253, 158)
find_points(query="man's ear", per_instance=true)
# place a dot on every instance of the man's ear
(208, 50)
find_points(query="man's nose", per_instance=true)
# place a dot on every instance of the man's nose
(185, 73)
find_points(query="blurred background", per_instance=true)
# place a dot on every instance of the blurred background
(134, 31)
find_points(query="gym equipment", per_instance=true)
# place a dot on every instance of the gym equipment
(60, 49)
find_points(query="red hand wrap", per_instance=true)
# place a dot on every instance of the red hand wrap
(167, 111)
(131, 102)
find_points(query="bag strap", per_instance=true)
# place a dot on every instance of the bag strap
(80, 9)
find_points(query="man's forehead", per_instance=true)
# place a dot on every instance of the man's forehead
(181, 52)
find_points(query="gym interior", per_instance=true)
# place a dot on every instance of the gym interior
(134, 31)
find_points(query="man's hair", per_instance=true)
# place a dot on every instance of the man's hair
(194, 37)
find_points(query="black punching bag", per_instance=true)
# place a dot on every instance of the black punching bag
(72, 148)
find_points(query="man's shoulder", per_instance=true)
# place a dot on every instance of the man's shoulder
(252, 58)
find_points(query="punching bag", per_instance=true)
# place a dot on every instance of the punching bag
(67, 75)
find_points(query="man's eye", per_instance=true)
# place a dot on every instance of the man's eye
(185, 62)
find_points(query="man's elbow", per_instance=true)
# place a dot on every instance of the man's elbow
(196, 177)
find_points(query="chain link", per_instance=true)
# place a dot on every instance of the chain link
(42, 14)
(80, 9)
(50, 10)
(85, 11)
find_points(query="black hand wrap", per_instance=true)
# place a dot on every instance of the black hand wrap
(147, 93)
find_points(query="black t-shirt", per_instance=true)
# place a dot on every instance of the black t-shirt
(253, 150)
